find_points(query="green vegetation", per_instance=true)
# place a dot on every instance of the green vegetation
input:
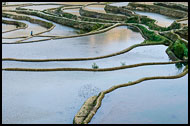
(48, 25)
(81, 31)
(89, 19)
(179, 65)
(123, 63)
(59, 9)
(141, 19)
(150, 34)
(96, 26)
(146, 20)
(151, 23)
(179, 49)
(67, 15)
(133, 19)
(153, 26)
(95, 66)
(174, 25)
(156, 27)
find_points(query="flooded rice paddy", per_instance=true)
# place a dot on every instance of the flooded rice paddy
(88, 46)
(41, 7)
(96, 8)
(55, 97)
(151, 102)
(6, 27)
(137, 55)
(34, 96)
(120, 4)
(162, 20)
(36, 28)
(72, 11)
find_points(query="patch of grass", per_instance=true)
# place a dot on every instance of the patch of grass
(179, 66)
(81, 31)
(151, 23)
(95, 66)
(70, 16)
(146, 20)
(174, 25)
(150, 34)
(96, 26)
(179, 49)
(156, 27)
(123, 63)
(133, 19)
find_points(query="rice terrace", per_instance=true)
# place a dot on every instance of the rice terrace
(95, 62)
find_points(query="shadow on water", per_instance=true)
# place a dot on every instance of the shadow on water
(87, 91)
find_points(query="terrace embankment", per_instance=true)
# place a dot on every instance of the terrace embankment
(107, 16)
(83, 25)
(19, 25)
(90, 110)
(157, 9)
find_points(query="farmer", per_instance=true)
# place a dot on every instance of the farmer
(31, 33)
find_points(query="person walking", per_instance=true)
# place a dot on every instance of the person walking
(31, 33)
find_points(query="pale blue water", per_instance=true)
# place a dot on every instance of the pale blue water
(111, 41)
(15, 3)
(41, 7)
(95, 8)
(120, 4)
(72, 11)
(57, 30)
(137, 55)
(7, 27)
(163, 20)
(18, 33)
(150, 102)
(11, 40)
(55, 97)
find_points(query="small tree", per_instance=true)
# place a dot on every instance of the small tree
(123, 64)
(95, 66)
(178, 49)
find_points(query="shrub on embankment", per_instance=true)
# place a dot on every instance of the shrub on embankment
(151, 35)
(178, 46)
(179, 49)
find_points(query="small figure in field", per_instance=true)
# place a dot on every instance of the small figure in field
(31, 33)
